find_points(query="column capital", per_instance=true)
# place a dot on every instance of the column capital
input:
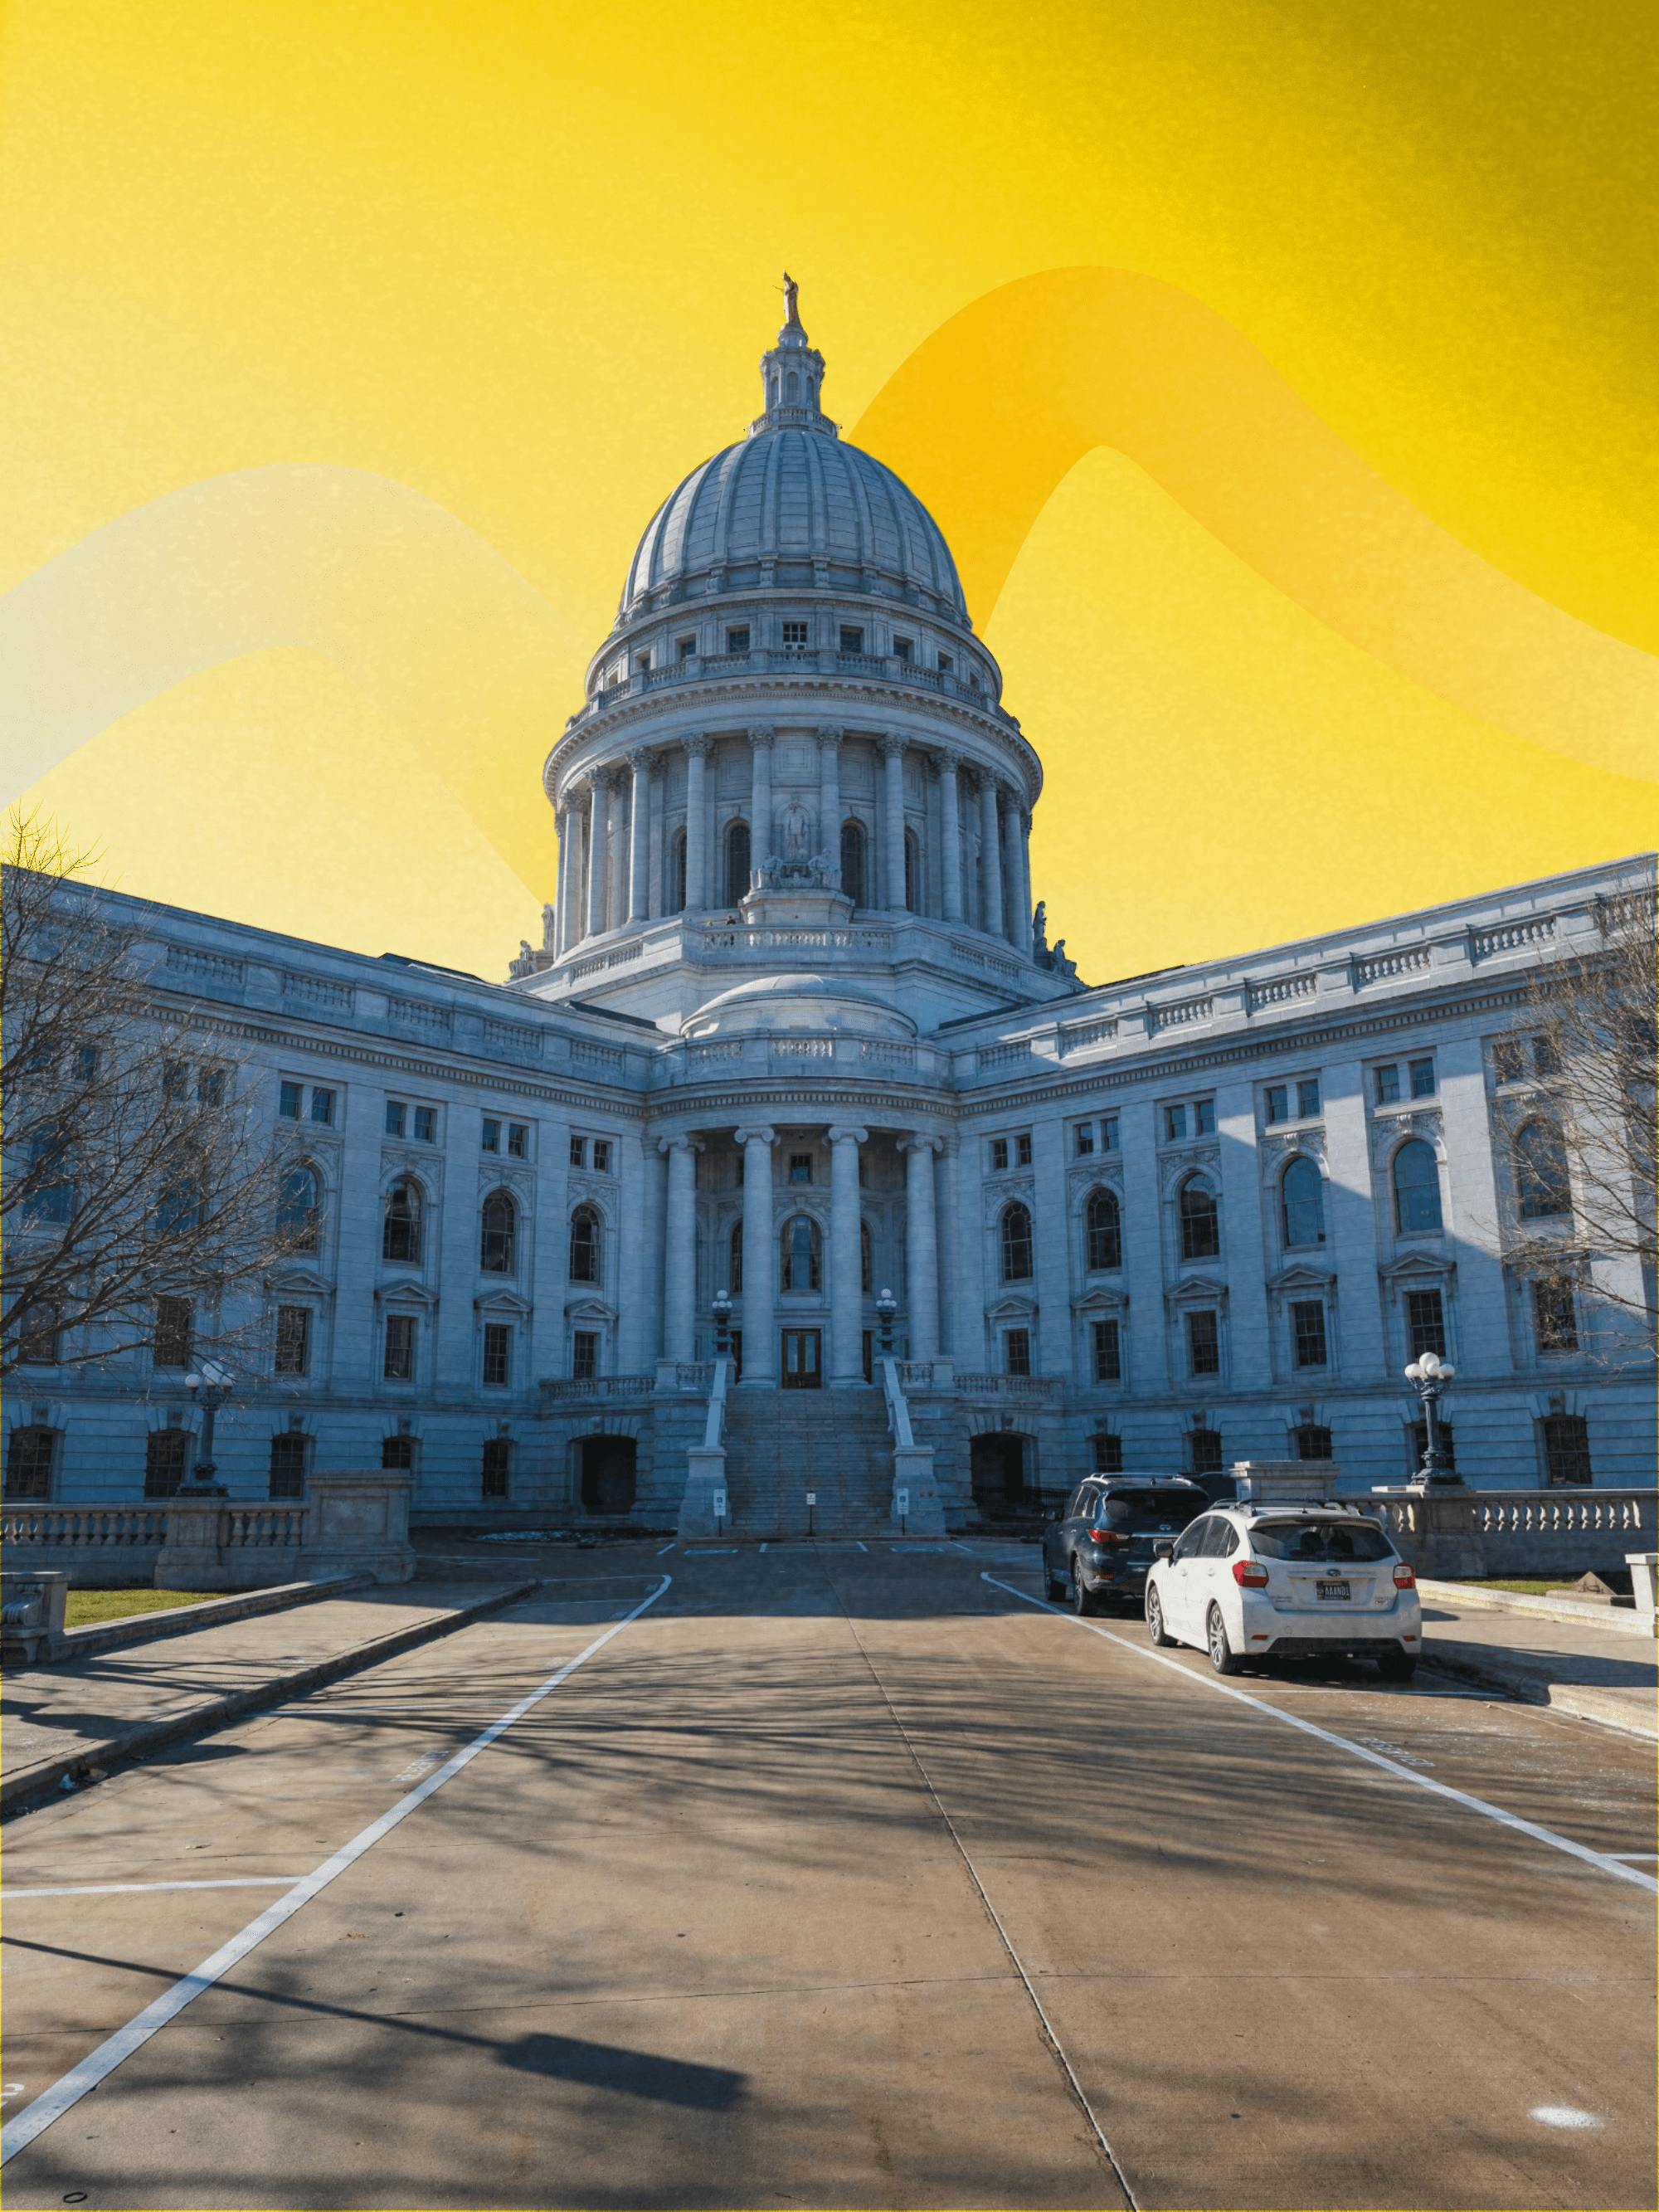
(696, 744)
(830, 734)
(616, 777)
(918, 1141)
(759, 1135)
(890, 745)
(685, 1142)
(947, 760)
(638, 759)
(841, 1133)
(761, 733)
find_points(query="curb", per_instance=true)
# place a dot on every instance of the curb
(1588, 1701)
(214, 1712)
(1583, 1612)
(183, 1620)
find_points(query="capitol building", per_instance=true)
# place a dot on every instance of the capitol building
(796, 1073)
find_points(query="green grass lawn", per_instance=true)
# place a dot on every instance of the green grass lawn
(1527, 1589)
(83, 1607)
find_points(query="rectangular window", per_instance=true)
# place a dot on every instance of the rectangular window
(1508, 1060)
(1107, 1451)
(210, 1087)
(426, 1125)
(1017, 1350)
(1109, 1134)
(998, 1154)
(801, 1167)
(293, 1340)
(1554, 1316)
(601, 1156)
(287, 1464)
(1566, 1447)
(37, 1337)
(164, 1461)
(578, 1151)
(900, 649)
(1204, 1451)
(1109, 1364)
(498, 1353)
(1308, 1331)
(1426, 1323)
(1307, 1098)
(399, 1364)
(737, 640)
(686, 646)
(584, 1355)
(795, 636)
(398, 1455)
(1204, 1117)
(29, 1454)
(1422, 1074)
(396, 1114)
(1022, 1151)
(175, 1079)
(851, 641)
(490, 1139)
(1085, 1138)
(322, 1107)
(288, 1096)
(1545, 1057)
(1276, 1107)
(946, 663)
(518, 1139)
(1203, 1344)
(86, 1062)
(1387, 1085)
(497, 1467)
(173, 1318)
(1174, 1123)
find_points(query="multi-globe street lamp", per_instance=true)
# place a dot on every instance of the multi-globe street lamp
(1428, 1375)
(209, 1388)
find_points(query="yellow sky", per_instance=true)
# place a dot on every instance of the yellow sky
(517, 259)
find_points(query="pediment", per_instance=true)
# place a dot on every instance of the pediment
(405, 1294)
(1192, 1287)
(1417, 1263)
(503, 1302)
(1101, 1301)
(1301, 1276)
(1011, 1308)
(589, 1309)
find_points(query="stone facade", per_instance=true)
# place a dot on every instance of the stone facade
(793, 1036)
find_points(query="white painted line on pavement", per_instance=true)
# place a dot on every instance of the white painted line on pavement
(98, 2065)
(125, 1888)
(1599, 1859)
(669, 1547)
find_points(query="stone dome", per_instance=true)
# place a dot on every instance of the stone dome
(789, 1005)
(792, 506)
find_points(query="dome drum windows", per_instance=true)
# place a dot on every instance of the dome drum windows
(738, 861)
(854, 852)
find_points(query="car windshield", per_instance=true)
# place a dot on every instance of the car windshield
(1320, 1541)
(1152, 1508)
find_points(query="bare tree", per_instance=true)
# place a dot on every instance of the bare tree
(1584, 1155)
(141, 1204)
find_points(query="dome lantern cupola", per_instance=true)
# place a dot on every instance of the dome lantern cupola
(792, 377)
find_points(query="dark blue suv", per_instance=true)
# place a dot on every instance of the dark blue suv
(1101, 1546)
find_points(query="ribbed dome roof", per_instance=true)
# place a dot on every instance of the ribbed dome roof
(793, 497)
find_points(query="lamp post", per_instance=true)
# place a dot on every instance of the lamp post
(886, 1309)
(722, 1325)
(210, 1389)
(1428, 1375)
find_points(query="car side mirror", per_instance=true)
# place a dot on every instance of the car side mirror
(1163, 1549)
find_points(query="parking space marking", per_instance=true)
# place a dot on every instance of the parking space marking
(1600, 1860)
(98, 2065)
(125, 1888)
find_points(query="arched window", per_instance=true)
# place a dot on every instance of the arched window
(734, 1268)
(792, 388)
(1016, 1244)
(737, 862)
(585, 1245)
(1105, 1230)
(297, 1210)
(1302, 1198)
(852, 861)
(1416, 1188)
(913, 872)
(800, 1253)
(1540, 1170)
(1201, 1222)
(498, 1235)
(675, 887)
(867, 1271)
(400, 1237)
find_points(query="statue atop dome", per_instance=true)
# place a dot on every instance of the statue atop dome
(790, 313)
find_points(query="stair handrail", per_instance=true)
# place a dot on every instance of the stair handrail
(898, 1413)
(715, 1426)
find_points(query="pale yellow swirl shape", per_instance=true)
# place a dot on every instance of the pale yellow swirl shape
(446, 636)
(989, 414)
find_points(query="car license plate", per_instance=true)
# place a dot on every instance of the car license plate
(1331, 1590)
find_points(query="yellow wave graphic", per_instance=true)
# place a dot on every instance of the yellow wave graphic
(989, 414)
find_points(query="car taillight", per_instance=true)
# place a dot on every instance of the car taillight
(1104, 1536)
(1249, 1575)
(1404, 1578)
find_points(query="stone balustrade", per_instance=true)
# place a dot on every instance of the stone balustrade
(1011, 1386)
(562, 1390)
(1471, 1534)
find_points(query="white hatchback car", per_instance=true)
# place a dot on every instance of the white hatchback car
(1286, 1582)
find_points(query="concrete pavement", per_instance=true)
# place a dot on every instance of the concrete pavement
(845, 1877)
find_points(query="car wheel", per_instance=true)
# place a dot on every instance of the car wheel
(1223, 1657)
(1155, 1629)
(1084, 1600)
(1397, 1666)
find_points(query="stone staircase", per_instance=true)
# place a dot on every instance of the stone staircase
(781, 1444)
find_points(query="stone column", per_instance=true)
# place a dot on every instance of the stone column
(1019, 871)
(760, 797)
(846, 1269)
(639, 836)
(892, 752)
(561, 916)
(760, 1353)
(599, 839)
(951, 815)
(616, 879)
(990, 859)
(697, 826)
(920, 1245)
(680, 1248)
(829, 797)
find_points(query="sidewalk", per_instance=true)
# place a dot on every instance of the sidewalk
(1590, 1668)
(62, 1720)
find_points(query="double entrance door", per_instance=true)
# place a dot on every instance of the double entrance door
(803, 1360)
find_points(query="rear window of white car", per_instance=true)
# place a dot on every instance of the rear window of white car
(1319, 1540)
(1152, 1509)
